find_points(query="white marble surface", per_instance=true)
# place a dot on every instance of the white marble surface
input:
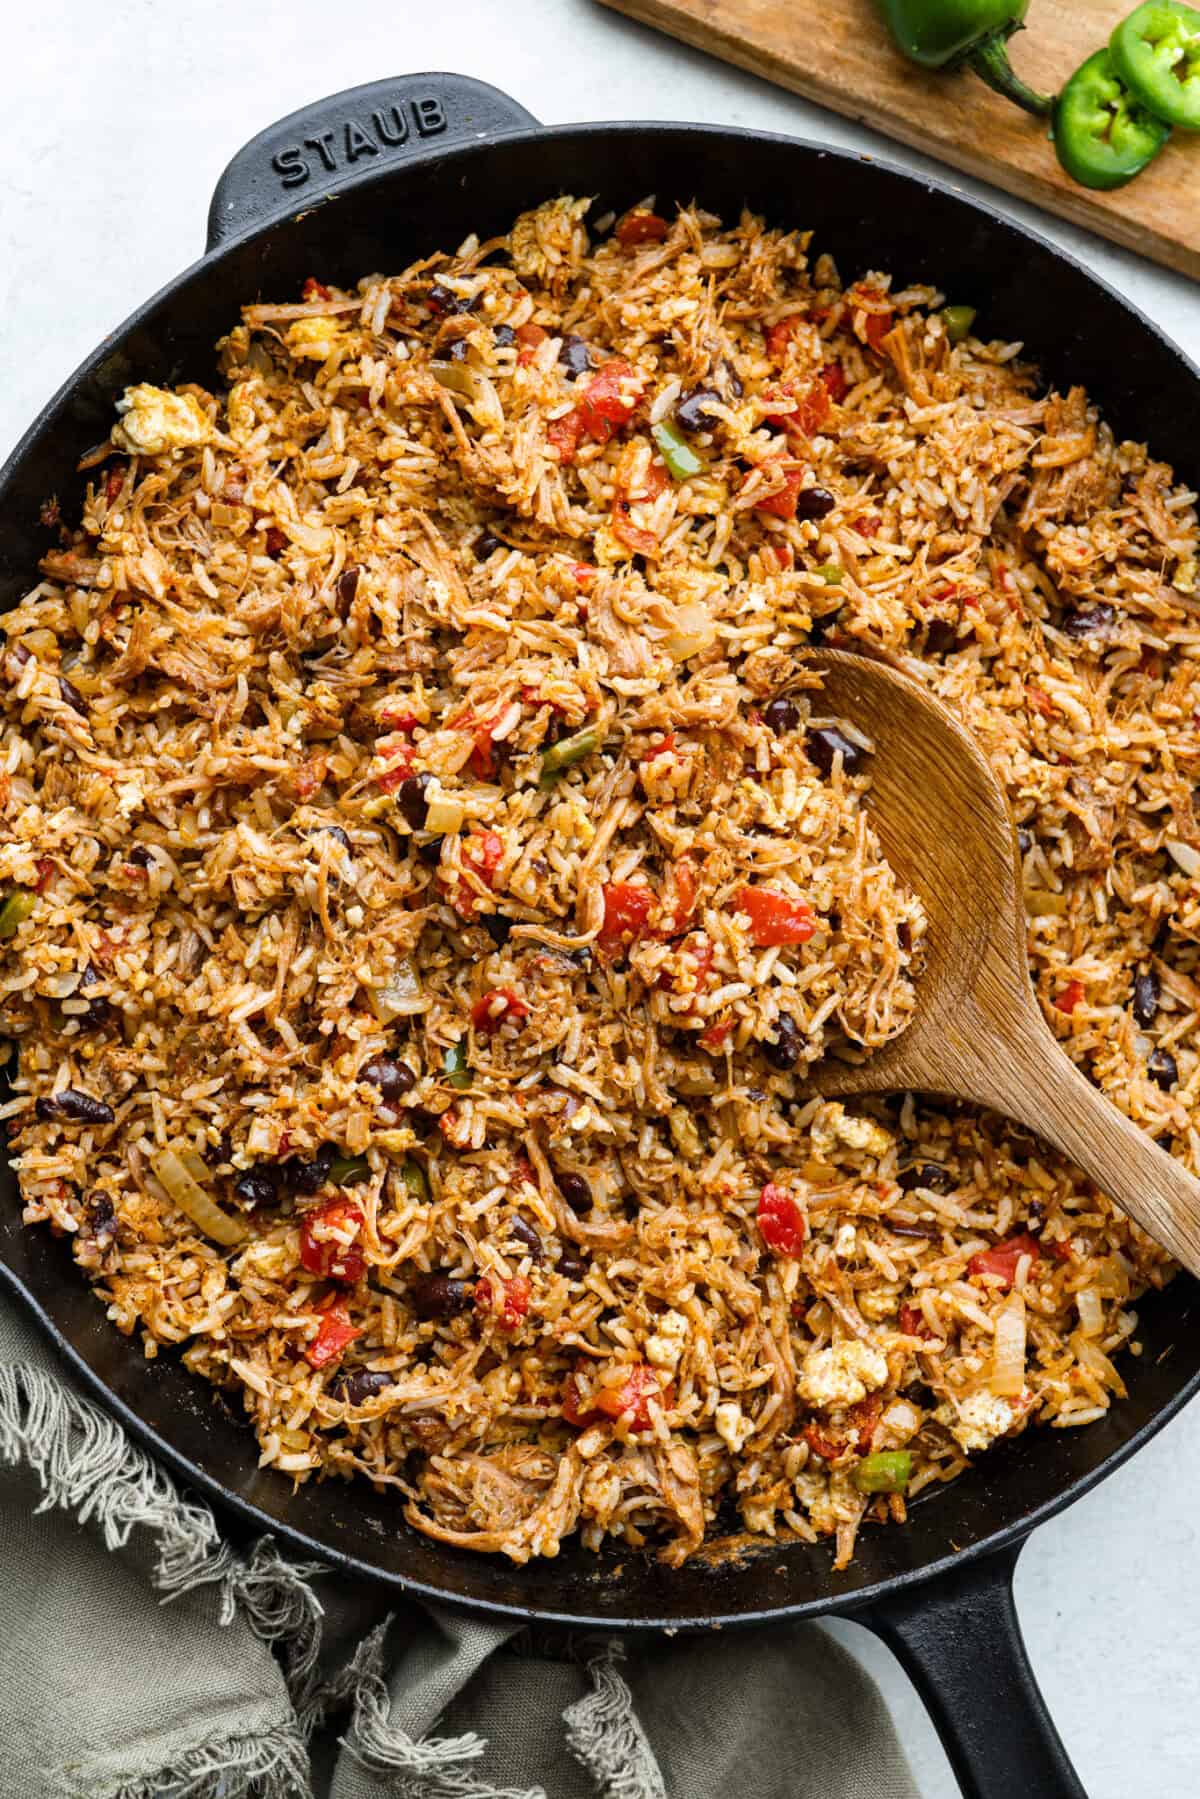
(118, 118)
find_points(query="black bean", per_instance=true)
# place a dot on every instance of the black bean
(347, 586)
(72, 696)
(71, 1103)
(486, 544)
(1024, 841)
(575, 356)
(220, 1151)
(431, 852)
(140, 856)
(410, 797)
(498, 928)
(904, 935)
(814, 502)
(309, 1177)
(822, 745)
(334, 831)
(941, 636)
(575, 1190)
(1089, 621)
(1146, 995)
(444, 301)
(731, 377)
(258, 1186)
(571, 1265)
(823, 624)
(421, 1121)
(692, 409)
(458, 350)
(525, 1234)
(930, 1175)
(503, 336)
(440, 1296)
(1162, 1068)
(354, 1385)
(101, 1216)
(393, 1079)
(781, 716)
(783, 1051)
(98, 1010)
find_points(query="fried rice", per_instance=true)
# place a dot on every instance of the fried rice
(431, 879)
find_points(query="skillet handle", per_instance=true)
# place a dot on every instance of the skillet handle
(959, 1640)
(315, 152)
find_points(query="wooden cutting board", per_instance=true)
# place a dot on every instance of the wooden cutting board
(838, 53)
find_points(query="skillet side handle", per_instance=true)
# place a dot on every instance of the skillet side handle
(959, 1641)
(308, 156)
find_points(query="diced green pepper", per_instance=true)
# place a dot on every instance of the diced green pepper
(15, 911)
(344, 1171)
(958, 321)
(887, 1471)
(415, 1179)
(677, 452)
(454, 1062)
(567, 751)
(830, 573)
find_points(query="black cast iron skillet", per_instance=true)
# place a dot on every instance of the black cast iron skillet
(366, 181)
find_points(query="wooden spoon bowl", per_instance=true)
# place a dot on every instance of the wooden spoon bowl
(978, 1033)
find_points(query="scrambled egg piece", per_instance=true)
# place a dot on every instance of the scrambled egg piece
(153, 420)
(314, 337)
(833, 1125)
(977, 1420)
(841, 1375)
(665, 1347)
(733, 1426)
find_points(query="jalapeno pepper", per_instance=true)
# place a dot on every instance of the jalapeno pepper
(1156, 53)
(945, 34)
(1102, 135)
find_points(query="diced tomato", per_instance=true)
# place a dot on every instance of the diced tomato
(862, 1419)
(1070, 996)
(833, 378)
(574, 1411)
(783, 555)
(515, 1295)
(641, 1385)
(781, 1221)
(774, 918)
(483, 853)
(828, 1448)
(394, 718)
(309, 776)
(397, 770)
(627, 910)
(46, 871)
(912, 1322)
(564, 435)
(634, 537)
(663, 746)
(779, 335)
(326, 1254)
(714, 1037)
(529, 337)
(1061, 1250)
(640, 226)
(276, 542)
(1003, 1259)
(685, 896)
(498, 1006)
(315, 290)
(876, 325)
(783, 503)
(609, 399)
(115, 481)
(483, 757)
(584, 573)
(1038, 698)
(335, 1332)
(700, 953)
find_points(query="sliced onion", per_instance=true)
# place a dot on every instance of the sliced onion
(1008, 1354)
(400, 996)
(1094, 1358)
(473, 386)
(692, 632)
(1091, 1312)
(193, 1201)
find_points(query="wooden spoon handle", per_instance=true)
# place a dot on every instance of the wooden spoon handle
(1038, 1084)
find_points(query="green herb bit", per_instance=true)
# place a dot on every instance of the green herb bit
(15, 911)
(677, 452)
(454, 1062)
(958, 321)
(565, 752)
(415, 1179)
(887, 1471)
(830, 573)
(345, 1171)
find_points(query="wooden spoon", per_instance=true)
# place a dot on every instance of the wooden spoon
(978, 1033)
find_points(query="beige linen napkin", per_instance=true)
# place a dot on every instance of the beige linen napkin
(142, 1658)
